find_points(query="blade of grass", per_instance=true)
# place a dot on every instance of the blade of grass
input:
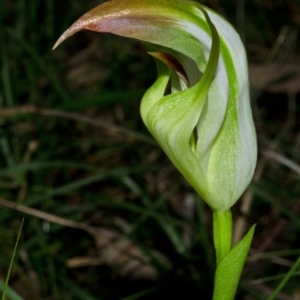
(167, 223)
(77, 291)
(11, 261)
(50, 20)
(172, 232)
(271, 278)
(266, 196)
(10, 292)
(20, 24)
(104, 99)
(39, 165)
(141, 294)
(271, 254)
(41, 62)
(8, 156)
(6, 78)
(288, 275)
(203, 234)
(99, 176)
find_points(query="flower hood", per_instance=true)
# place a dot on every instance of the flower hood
(204, 123)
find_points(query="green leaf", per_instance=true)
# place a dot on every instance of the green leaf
(13, 295)
(288, 275)
(230, 268)
(6, 289)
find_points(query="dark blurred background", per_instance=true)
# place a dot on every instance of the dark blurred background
(106, 215)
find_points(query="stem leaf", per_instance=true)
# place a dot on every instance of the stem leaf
(230, 268)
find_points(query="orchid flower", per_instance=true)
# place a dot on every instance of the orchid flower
(198, 109)
(204, 125)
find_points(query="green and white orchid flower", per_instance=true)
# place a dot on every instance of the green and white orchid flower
(205, 124)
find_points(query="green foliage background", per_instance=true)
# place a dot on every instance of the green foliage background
(72, 144)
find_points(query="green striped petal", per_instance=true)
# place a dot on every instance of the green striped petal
(205, 124)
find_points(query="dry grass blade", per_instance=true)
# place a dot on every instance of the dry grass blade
(9, 112)
(115, 250)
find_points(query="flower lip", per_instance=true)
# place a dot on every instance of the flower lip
(175, 65)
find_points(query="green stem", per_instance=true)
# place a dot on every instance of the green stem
(222, 231)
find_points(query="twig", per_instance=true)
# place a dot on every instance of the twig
(241, 221)
(54, 219)
(282, 160)
(75, 117)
